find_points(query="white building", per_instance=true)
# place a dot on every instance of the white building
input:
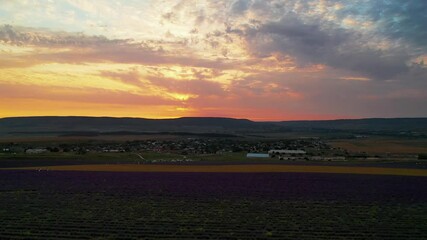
(257, 155)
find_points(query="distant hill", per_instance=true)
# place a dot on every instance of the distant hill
(109, 124)
(64, 125)
(368, 124)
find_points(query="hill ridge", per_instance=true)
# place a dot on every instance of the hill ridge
(202, 124)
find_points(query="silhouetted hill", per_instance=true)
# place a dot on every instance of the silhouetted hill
(111, 125)
(374, 124)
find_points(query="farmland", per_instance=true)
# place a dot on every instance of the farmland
(150, 205)
(202, 185)
(246, 168)
(382, 145)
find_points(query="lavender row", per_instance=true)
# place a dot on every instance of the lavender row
(286, 186)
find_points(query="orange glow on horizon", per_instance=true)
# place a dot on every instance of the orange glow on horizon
(35, 107)
(168, 59)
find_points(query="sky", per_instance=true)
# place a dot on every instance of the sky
(256, 59)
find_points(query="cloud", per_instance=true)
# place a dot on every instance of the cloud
(318, 42)
(87, 95)
(42, 37)
(402, 20)
(185, 88)
(197, 87)
(127, 77)
(78, 48)
(242, 58)
(240, 6)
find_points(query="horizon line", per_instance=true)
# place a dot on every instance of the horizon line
(218, 117)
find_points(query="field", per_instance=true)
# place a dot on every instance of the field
(25, 160)
(383, 145)
(103, 195)
(70, 158)
(267, 168)
(148, 205)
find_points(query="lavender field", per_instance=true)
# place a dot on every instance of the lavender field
(102, 205)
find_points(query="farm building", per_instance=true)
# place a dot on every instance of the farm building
(257, 155)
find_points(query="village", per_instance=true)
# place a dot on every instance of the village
(311, 149)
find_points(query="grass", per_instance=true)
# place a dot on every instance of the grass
(120, 156)
(71, 158)
(236, 168)
(225, 157)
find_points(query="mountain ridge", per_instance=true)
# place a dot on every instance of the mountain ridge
(201, 124)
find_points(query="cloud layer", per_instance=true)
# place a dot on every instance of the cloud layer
(266, 60)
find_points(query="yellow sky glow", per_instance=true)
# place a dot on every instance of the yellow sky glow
(264, 60)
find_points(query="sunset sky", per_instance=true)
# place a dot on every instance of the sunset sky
(255, 59)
